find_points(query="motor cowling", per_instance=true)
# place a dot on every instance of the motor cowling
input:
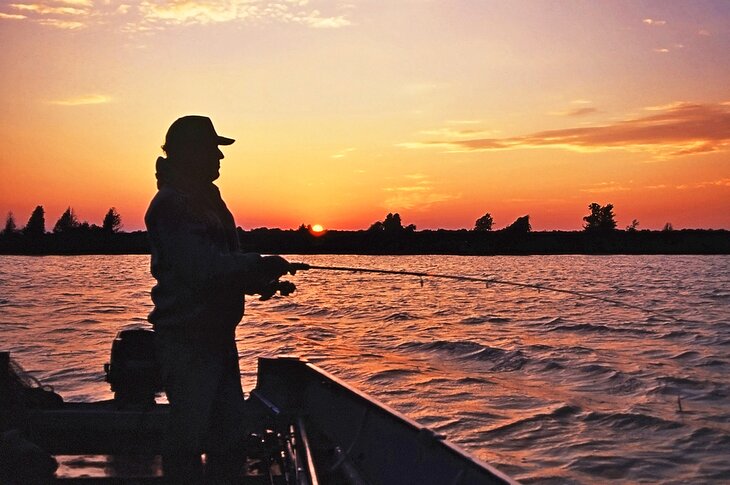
(133, 370)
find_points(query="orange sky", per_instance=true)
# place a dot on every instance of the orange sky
(345, 111)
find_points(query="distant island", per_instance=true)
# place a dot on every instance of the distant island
(387, 237)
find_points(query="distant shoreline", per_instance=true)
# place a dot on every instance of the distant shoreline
(437, 242)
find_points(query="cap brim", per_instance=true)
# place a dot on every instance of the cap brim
(222, 140)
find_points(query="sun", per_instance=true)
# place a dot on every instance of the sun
(317, 229)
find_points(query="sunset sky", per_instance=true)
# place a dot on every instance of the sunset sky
(344, 111)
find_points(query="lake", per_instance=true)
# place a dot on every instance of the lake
(548, 387)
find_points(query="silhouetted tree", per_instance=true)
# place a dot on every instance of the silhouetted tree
(112, 221)
(10, 227)
(484, 223)
(36, 225)
(67, 222)
(521, 225)
(391, 224)
(668, 227)
(376, 226)
(632, 227)
(601, 218)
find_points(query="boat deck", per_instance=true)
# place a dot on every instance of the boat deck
(308, 428)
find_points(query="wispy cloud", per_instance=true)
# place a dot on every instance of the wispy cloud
(586, 110)
(12, 16)
(605, 188)
(83, 100)
(464, 122)
(723, 182)
(677, 129)
(655, 22)
(343, 153)
(417, 193)
(48, 9)
(665, 50)
(68, 15)
(452, 133)
(150, 15)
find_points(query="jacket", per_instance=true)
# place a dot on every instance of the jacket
(196, 259)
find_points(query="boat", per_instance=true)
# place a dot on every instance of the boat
(311, 429)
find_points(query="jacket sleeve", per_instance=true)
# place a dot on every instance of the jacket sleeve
(182, 248)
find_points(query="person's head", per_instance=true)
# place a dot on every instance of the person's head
(192, 144)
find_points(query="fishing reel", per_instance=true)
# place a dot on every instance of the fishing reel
(285, 288)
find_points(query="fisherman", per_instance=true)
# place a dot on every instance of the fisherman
(202, 277)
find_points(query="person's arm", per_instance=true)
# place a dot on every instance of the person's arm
(184, 248)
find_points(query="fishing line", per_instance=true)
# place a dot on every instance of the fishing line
(487, 281)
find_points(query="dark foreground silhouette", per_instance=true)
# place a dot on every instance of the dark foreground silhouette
(458, 242)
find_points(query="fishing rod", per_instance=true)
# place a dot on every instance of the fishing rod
(306, 267)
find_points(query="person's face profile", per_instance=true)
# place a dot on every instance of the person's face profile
(209, 158)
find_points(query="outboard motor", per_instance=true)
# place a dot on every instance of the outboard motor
(132, 370)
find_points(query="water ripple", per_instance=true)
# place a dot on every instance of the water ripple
(551, 388)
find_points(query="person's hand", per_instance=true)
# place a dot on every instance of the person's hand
(273, 267)
(284, 288)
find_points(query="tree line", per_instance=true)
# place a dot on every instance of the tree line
(387, 236)
(601, 219)
(67, 223)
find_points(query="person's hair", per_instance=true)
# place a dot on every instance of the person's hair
(172, 151)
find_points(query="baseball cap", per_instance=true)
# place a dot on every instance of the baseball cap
(194, 130)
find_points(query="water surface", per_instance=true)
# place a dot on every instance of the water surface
(548, 387)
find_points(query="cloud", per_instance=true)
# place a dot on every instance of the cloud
(11, 16)
(83, 100)
(47, 9)
(451, 133)
(655, 22)
(151, 15)
(721, 183)
(676, 129)
(418, 194)
(464, 122)
(343, 153)
(605, 188)
(416, 200)
(187, 13)
(69, 15)
(587, 110)
(160, 14)
(82, 3)
(724, 182)
(316, 21)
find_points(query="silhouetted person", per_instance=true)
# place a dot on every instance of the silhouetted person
(199, 299)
